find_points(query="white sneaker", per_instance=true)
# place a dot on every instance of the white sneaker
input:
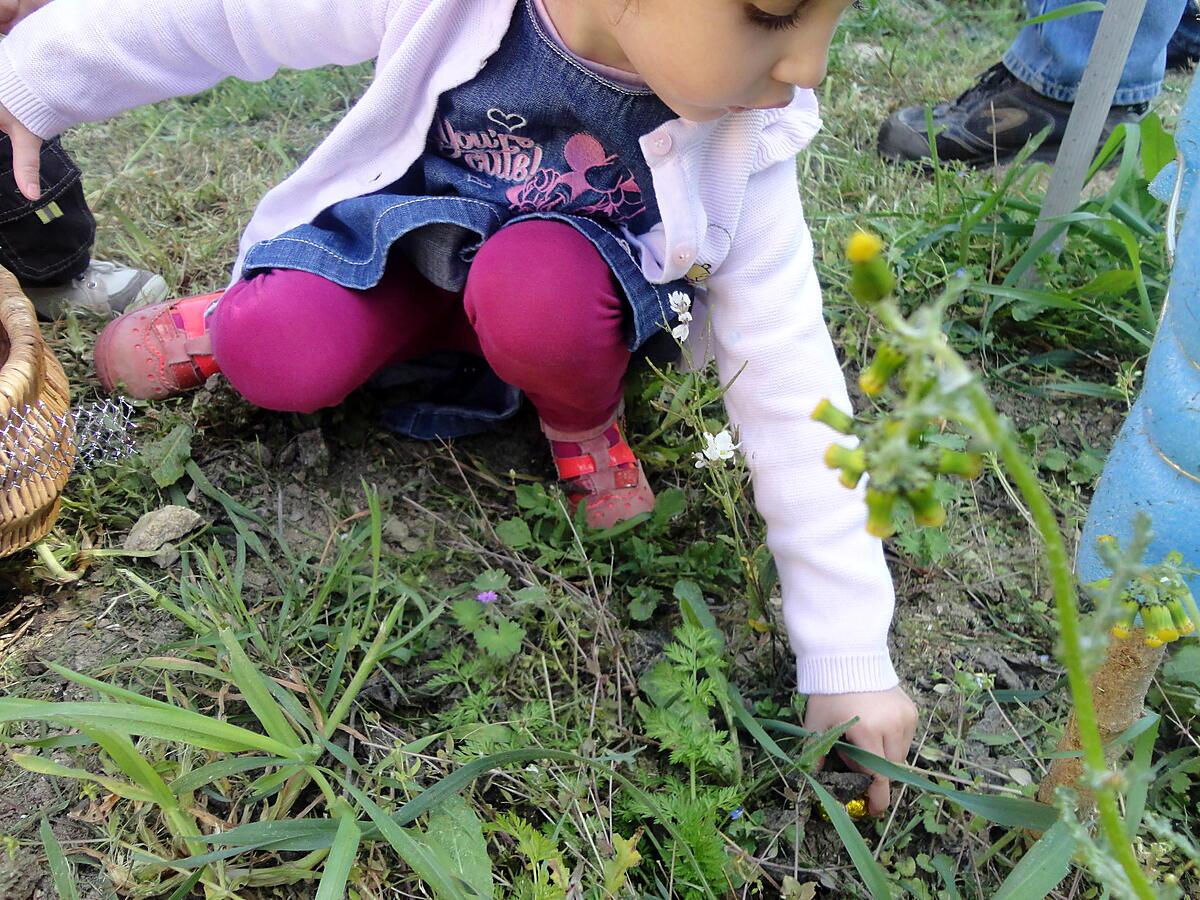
(104, 289)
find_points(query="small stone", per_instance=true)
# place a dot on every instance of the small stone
(313, 452)
(166, 557)
(1020, 776)
(395, 530)
(162, 526)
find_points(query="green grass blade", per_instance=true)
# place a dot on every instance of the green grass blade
(1074, 9)
(868, 867)
(340, 860)
(195, 623)
(1057, 226)
(172, 724)
(224, 768)
(43, 766)
(747, 721)
(285, 834)
(1041, 869)
(60, 868)
(416, 855)
(122, 752)
(106, 689)
(185, 889)
(252, 684)
(1139, 778)
(1013, 812)
(1158, 146)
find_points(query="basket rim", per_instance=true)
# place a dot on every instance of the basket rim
(23, 371)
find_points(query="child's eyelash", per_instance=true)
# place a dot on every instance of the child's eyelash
(791, 20)
(774, 23)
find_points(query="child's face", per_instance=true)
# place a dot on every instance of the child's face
(705, 58)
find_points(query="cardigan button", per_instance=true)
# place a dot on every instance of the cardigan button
(661, 144)
(685, 255)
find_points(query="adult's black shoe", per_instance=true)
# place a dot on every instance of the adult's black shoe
(1179, 59)
(990, 123)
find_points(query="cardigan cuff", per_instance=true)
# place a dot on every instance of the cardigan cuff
(845, 674)
(28, 109)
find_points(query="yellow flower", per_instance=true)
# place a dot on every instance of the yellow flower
(857, 808)
(863, 247)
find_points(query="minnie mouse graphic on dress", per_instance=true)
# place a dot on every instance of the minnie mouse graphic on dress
(596, 184)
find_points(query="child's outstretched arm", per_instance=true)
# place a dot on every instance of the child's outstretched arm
(76, 61)
(767, 321)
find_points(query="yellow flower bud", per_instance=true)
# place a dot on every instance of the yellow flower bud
(875, 377)
(863, 247)
(926, 509)
(879, 512)
(871, 281)
(965, 465)
(857, 808)
(839, 457)
(1158, 625)
(1179, 618)
(828, 414)
(853, 463)
(1123, 627)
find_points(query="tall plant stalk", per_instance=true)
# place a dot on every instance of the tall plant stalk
(938, 387)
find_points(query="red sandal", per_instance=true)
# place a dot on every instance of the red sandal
(597, 468)
(158, 351)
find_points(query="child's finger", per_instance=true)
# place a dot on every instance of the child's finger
(879, 794)
(27, 160)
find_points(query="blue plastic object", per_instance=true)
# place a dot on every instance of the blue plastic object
(1154, 466)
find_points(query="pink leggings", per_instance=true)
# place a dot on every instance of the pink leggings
(540, 305)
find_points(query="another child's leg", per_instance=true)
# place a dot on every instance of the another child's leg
(550, 317)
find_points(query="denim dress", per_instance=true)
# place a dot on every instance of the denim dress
(535, 135)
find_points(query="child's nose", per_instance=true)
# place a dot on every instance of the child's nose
(805, 70)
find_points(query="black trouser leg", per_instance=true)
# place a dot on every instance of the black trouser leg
(48, 242)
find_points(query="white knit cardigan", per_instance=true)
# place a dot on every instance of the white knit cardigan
(726, 189)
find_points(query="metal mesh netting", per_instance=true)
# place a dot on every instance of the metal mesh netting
(36, 444)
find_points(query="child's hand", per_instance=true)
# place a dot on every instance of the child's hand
(885, 727)
(13, 11)
(26, 152)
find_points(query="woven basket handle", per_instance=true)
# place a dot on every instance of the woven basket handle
(22, 373)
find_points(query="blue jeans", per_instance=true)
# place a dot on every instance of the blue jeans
(1051, 57)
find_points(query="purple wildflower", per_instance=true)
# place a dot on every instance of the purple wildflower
(487, 597)
(737, 813)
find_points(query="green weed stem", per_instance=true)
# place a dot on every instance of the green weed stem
(47, 558)
(1000, 436)
(292, 789)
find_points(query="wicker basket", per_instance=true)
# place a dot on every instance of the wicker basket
(30, 377)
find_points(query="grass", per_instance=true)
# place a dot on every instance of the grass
(614, 720)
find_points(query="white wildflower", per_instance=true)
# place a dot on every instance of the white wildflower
(717, 449)
(681, 305)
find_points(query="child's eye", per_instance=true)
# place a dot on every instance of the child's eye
(775, 22)
(791, 20)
